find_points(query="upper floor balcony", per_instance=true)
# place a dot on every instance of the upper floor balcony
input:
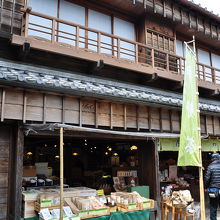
(63, 37)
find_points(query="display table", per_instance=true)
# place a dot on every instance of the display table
(178, 212)
(135, 215)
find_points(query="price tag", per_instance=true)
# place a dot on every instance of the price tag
(100, 192)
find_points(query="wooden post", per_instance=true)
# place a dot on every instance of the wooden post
(118, 47)
(61, 173)
(167, 62)
(77, 37)
(53, 31)
(99, 42)
(152, 58)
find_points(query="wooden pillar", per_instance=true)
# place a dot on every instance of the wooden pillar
(149, 167)
(15, 178)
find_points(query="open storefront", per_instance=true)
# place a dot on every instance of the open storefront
(98, 165)
(181, 178)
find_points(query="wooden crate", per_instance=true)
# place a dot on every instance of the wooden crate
(127, 208)
(38, 208)
(28, 209)
(146, 205)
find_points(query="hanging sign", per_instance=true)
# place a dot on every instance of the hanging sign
(208, 145)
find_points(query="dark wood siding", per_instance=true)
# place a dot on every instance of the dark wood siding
(5, 143)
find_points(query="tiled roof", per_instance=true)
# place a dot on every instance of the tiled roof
(201, 8)
(59, 81)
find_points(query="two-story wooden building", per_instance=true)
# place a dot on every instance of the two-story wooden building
(114, 69)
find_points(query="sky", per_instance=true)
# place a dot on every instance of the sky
(212, 5)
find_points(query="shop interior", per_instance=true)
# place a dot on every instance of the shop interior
(95, 163)
(180, 178)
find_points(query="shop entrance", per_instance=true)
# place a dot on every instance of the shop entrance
(93, 161)
(89, 162)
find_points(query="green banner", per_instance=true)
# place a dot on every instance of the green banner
(190, 140)
(208, 145)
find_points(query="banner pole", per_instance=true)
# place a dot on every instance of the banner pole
(61, 173)
(201, 183)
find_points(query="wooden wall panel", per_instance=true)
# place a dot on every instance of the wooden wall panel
(165, 119)
(161, 26)
(155, 118)
(209, 124)
(3, 213)
(41, 107)
(3, 195)
(88, 112)
(4, 170)
(34, 112)
(131, 113)
(216, 126)
(13, 111)
(104, 117)
(203, 124)
(175, 121)
(71, 110)
(118, 115)
(143, 117)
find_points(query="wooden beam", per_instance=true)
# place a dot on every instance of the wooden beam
(63, 110)
(164, 8)
(96, 114)
(152, 78)
(149, 118)
(24, 106)
(154, 6)
(96, 66)
(137, 117)
(190, 20)
(111, 116)
(125, 117)
(18, 170)
(44, 108)
(3, 105)
(160, 118)
(80, 112)
(178, 85)
(171, 122)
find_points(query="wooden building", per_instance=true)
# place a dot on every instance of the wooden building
(112, 65)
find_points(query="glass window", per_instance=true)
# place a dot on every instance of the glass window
(179, 48)
(125, 30)
(216, 61)
(216, 64)
(204, 57)
(48, 7)
(73, 13)
(101, 22)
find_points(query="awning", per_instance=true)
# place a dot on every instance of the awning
(55, 126)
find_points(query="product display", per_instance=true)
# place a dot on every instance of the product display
(81, 203)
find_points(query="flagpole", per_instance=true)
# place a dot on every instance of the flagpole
(201, 183)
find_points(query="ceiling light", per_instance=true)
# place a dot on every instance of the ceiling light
(29, 153)
(133, 147)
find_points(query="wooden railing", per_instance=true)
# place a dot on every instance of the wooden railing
(55, 30)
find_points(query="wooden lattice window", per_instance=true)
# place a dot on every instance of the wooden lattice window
(160, 41)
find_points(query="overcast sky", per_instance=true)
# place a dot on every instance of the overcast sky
(212, 5)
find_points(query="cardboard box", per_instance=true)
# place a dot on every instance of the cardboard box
(29, 171)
